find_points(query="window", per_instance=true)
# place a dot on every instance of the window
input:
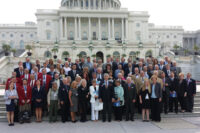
(116, 55)
(94, 36)
(103, 24)
(117, 37)
(137, 24)
(84, 35)
(3, 35)
(94, 24)
(11, 35)
(21, 44)
(48, 35)
(71, 35)
(150, 37)
(167, 36)
(82, 54)
(12, 44)
(22, 35)
(70, 24)
(174, 36)
(138, 36)
(47, 54)
(104, 37)
(48, 23)
(31, 35)
(132, 55)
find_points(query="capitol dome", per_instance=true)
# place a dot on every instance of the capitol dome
(91, 4)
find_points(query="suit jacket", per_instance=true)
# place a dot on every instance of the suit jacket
(191, 87)
(94, 93)
(24, 65)
(18, 83)
(18, 72)
(51, 74)
(106, 94)
(129, 94)
(38, 94)
(30, 83)
(63, 93)
(166, 88)
(127, 71)
(158, 90)
(174, 84)
(182, 88)
(71, 74)
(21, 94)
(48, 81)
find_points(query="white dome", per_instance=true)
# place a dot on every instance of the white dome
(91, 4)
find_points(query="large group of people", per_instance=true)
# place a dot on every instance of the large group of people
(73, 90)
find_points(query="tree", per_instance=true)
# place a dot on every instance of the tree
(196, 49)
(28, 47)
(123, 55)
(54, 50)
(137, 53)
(108, 56)
(94, 55)
(14, 51)
(6, 48)
(186, 51)
(176, 47)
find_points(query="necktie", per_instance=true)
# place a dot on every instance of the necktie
(25, 90)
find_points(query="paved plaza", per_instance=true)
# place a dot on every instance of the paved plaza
(168, 125)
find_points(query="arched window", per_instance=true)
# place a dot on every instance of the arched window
(116, 55)
(47, 54)
(12, 44)
(65, 55)
(132, 55)
(148, 53)
(82, 54)
(21, 44)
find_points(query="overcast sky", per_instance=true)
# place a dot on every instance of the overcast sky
(184, 13)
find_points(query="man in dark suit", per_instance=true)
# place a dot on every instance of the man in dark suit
(106, 95)
(130, 99)
(27, 64)
(93, 69)
(167, 70)
(191, 92)
(129, 70)
(173, 93)
(19, 71)
(73, 73)
(156, 99)
(115, 65)
(64, 100)
(51, 72)
(123, 63)
(165, 90)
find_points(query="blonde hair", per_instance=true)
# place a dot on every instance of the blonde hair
(181, 74)
(144, 85)
(74, 85)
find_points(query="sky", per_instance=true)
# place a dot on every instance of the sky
(184, 13)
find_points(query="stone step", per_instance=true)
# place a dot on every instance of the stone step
(2, 108)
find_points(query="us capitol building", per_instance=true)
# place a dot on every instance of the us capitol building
(98, 28)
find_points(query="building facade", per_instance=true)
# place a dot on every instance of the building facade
(190, 39)
(101, 28)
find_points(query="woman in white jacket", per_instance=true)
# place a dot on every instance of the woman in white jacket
(94, 92)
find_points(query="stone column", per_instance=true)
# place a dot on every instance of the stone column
(61, 27)
(79, 22)
(66, 37)
(75, 28)
(122, 29)
(99, 4)
(79, 3)
(99, 20)
(126, 28)
(113, 28)
(89, 4)
(89, 27)
(84, 4)
(108, 28)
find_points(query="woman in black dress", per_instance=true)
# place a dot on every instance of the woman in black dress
(83, 94)
(38, 95)
(182, 92)
(145, 99)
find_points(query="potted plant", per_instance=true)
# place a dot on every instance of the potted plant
(196, 49)
(186, 51)
(28, 47)
(79, 56)
(176, 49)
(6, 48)
(123, 55)
(94, 55)
(14, 51)
(65, 55)
(137, 54)
(55, 50)
(108, 56)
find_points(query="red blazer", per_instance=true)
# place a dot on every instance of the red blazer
(29, 83)
(48, 81)
(21, 94)
(22, 77)
(9, 80)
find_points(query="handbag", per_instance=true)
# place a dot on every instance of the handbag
(98, 106)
